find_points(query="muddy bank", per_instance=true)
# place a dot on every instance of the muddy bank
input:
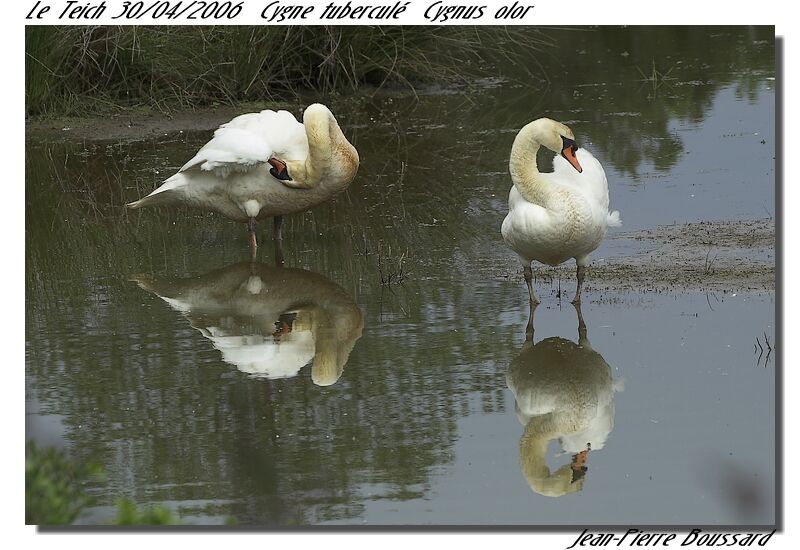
(138, 124)
(719, 256)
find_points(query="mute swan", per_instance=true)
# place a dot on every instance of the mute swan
(264, 164)
(563, 390)
(268, 321)
(555, 216)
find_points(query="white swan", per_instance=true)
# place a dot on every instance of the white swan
(553, 217)
(563, 390)
(264, 164)
(268, 321)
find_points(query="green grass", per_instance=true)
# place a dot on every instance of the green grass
(130, 514)
(55, 494)
(82, 70)
(54, 486)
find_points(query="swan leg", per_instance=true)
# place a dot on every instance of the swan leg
(581, 274)
(528, 273)
(251, 228)
(529, 326)
(583, 339)
(277, 236)
(279, 260)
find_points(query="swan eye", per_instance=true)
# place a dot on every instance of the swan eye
(569, 144)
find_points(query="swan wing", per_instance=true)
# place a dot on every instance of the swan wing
(285, 135)
(527, 228)
(591, 183)
(249, 140)
(230, 150)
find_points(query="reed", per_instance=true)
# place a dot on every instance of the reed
(81, 70)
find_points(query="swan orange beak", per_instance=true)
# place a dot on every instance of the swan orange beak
(578, 465)
(279, 169)
(569, 153)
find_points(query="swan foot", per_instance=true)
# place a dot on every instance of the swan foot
(251, 228)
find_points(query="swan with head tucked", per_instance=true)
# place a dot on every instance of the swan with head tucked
(555, 216)
(262, 165)
(268, 321)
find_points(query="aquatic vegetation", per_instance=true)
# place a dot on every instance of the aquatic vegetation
(391, 266)
(55, 493)
(130, 514)
(53, 486)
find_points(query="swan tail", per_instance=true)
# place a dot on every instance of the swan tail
(144, 281)
(613, 220)
(169, 191)
(145, 201)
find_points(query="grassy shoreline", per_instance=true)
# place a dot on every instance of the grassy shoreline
(76, 71)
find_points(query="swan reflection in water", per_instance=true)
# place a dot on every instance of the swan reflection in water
(563, 390)
(268, 321)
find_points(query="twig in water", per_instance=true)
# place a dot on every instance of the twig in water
(708, 266)
(656, 78)
(758, 348)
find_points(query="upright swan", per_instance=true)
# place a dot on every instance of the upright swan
(264, 164)
(562, 390)
(555, 216)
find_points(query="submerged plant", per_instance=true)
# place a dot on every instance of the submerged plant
(391, 266)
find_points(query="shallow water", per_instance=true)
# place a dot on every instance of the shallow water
(154, 352)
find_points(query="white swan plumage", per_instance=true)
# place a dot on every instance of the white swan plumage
(562, 390)
(264, 164)
(559, 215)
(268, 321)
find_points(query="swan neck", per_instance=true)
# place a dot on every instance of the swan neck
(524, 170)
(532, 451)
(332, 161)
(320, 147)
(533, 447)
